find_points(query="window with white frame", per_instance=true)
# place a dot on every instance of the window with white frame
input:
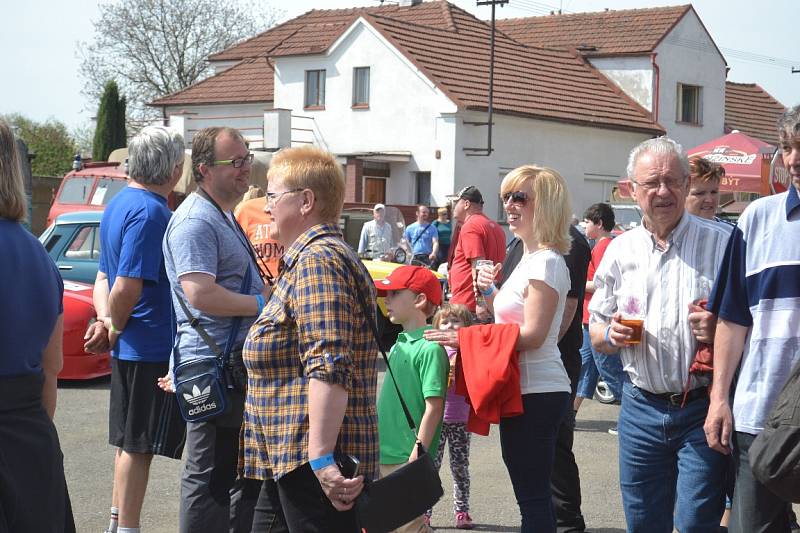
(361, 87)
(690, 104)
(315, 89)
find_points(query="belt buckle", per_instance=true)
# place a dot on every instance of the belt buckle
(675, 399)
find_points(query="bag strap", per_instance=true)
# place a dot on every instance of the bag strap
(365, 308)
(420, 234)
(195, 322)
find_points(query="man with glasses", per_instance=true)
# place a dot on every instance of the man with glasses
(478, 238)
(208, 260)
(656, 273)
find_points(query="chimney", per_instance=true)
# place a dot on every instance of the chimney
(409, 3)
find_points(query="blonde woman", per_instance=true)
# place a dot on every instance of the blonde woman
(538, 208)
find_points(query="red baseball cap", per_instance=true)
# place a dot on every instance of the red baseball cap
(415, 278)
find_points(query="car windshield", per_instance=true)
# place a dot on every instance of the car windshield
(76, 190)
(627, 217)
(106, 189)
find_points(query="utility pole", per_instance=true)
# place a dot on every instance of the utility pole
(488, 150)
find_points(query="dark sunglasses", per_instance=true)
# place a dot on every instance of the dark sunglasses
(517, 197)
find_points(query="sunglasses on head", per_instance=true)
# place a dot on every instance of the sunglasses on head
(517, 197)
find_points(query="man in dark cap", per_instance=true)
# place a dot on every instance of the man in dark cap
(478, 238)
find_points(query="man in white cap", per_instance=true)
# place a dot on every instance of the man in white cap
(376, 235)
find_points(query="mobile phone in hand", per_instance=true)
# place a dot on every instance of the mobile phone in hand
(348, 465)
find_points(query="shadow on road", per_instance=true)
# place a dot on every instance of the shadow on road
(606, 530)
(595, 426)
(100, 383)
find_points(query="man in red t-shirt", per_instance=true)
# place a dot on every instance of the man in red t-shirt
(478, 238)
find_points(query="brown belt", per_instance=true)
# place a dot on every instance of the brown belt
(677, 398)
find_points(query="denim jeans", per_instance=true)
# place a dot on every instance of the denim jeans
(666, 469)
(528, 444)
(595, 365)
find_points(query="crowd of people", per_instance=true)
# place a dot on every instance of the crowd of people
(267, 286)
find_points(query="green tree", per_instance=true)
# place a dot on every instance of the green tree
(110, 133)
(49, 140)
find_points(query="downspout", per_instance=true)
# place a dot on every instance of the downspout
(656, 85)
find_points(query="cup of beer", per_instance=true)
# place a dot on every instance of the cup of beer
(479, 265)
(633, 317)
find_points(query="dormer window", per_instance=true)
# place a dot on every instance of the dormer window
(315, 89)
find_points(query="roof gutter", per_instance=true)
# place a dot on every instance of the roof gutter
(656, 85)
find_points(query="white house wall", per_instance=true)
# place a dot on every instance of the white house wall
(247, 118)
(688, 55)
(590, 159)
(404, 115)
(634, 75)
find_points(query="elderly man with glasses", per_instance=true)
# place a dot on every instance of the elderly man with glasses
(651, 279)
(209, 261)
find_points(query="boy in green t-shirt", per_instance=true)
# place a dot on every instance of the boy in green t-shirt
(420, 368)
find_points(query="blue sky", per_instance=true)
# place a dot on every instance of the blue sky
(39, 39)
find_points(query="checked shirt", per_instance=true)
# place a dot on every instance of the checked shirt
(312, 326)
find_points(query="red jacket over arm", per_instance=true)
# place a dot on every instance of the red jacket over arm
(487, 374)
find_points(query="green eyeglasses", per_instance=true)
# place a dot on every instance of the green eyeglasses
(236, 163)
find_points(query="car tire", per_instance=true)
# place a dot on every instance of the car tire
(603, 394)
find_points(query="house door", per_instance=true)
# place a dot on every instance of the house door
(374, 190)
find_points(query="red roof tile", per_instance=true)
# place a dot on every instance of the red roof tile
(535, 82)
(609, 32)
(251, 80)
(752, 110)
(315, 30)
(452, 48)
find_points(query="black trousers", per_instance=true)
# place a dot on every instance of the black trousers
(565, 482)
(296, 503)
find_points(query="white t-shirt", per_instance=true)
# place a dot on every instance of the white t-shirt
(540, 370)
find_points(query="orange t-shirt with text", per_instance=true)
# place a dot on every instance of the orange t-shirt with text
(255, 223)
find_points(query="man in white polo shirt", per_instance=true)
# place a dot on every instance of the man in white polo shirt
(668, 474)
(758, 334)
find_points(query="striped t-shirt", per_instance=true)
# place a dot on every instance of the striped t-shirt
(759, 287)
(663, 282)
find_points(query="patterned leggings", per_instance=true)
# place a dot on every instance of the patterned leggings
(456, 434)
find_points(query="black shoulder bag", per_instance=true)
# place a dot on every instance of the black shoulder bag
(202, 384)
(408, 492)
(775, 452)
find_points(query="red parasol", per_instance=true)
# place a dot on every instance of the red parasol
(741, 157)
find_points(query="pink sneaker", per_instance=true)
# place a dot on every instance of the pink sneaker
(463, 521)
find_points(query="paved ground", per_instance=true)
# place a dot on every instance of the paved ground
(82, 421)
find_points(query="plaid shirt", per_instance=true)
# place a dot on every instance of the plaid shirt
(312, 326)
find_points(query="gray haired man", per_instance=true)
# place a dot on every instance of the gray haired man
(655, 274)
(134, 318)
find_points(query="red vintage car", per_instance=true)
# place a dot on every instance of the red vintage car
(78, 314)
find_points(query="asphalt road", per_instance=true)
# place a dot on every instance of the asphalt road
(82, 421)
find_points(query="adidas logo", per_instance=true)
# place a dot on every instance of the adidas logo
(197, 396)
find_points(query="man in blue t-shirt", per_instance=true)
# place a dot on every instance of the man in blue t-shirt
(422, 237)
(134, 318)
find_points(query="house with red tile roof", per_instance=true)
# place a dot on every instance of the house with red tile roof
(662, 57)
(400, 94)
(752, 110)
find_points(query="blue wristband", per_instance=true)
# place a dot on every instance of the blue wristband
(489, 291)
(321, 462)
(609, 340)
(260, 302)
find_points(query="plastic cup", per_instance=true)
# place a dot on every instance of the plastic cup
(637, 325)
